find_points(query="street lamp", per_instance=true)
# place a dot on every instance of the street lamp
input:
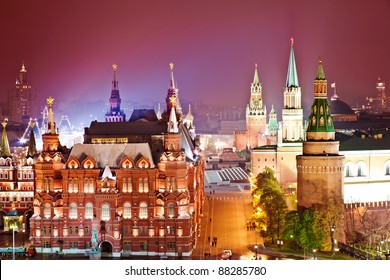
(256, 247)
(332, 230)
(13, 242)
(314, 253)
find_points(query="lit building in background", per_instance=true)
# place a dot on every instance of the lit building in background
(138, 185)
(22, 100)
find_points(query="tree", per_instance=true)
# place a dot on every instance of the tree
(269, 205)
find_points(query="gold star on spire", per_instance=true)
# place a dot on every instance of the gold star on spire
(115, 67)
(4, 123)
(50, 101)
(171, 66)
(172, 99)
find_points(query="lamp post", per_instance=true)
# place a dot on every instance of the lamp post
(13, 242)
(332, 229)
(256, 246)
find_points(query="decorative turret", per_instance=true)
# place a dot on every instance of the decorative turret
(292, 114)
(32, 147)
(22, 75)
(172, 124)
(320, 123)
(173, 95)
(256, 100)
(189, 118)
(272, 122)
(51, 125)
(5, 150)
(115, 114)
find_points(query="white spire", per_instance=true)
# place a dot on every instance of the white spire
(107, 173)
(172, 124)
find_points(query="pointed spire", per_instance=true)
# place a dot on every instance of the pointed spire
(255, 76)
(320, 70)
(32, 147)
(51, 125)
(172, 123)
(172, 84)
(158, 114)
(292, 75)
(107, 172)
(23, 70)
(5, 150)
(114, 81)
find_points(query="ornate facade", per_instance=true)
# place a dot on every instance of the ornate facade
(140, 195)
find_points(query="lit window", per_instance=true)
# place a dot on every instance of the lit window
(105, 212)
(171, 210)
(73, 211)
(140, 185)
(143, 211)
(146, 185)
(387, 167)
(348, 169)
(89, 211)
(127, 211)
(47, 211)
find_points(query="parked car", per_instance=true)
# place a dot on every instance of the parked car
(227, 255)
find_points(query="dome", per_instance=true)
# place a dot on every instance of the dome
(340, 107)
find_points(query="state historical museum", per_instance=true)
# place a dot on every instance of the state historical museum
(137, 185)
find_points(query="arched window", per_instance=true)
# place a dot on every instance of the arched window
(171, 210)
(361, 169)
(159, 208)
(47, 211)
(349, 169)
(91, 185)
(140, 185)
(127, 211)
(146, 185)
(73, 211)
(105, 212)
(70, 185)
(387, 167)
(143, 211)
(89, 211)
(124, 185)
(86, 185)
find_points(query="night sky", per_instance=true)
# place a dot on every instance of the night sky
(69, 48)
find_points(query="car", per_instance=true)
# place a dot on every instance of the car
(227, 255)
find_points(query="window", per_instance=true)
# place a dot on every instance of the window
(47, 211)
(74, 245)
(70, 230)
(171, 210)
(87, 245)
(86, 230)
(89, 211)
(143, 211)
(76, 230)
(105, 212)
(171, 246)
(348, 169)
(127, 211)
(73, 211)
(387, 167)
(143, 245)
(46, 244)
(146, 185)
(127, 246)
(361, 169)
(140, 185)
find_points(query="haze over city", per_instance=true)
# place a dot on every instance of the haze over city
(69, 47)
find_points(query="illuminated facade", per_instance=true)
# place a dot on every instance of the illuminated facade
(137, 184)
(16, 188)
(22, 100)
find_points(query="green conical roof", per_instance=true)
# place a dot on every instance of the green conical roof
(320, 119)
(292, 76)
(5, 150)
(320, 72)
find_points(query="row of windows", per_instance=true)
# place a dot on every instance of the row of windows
(16, 198)
(360, 169)
(127, 245)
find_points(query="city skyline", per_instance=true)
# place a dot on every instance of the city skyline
(69, 47)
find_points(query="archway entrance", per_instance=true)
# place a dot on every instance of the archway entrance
(106, 247)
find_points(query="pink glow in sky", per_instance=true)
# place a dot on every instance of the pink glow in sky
(69, 47)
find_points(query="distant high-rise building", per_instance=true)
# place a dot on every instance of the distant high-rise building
(115, 114)
(22, 100)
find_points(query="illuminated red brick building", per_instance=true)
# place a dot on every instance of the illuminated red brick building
(137, 184)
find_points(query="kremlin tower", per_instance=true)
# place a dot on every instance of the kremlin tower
(115, 114)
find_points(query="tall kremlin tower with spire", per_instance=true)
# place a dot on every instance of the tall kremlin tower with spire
(115, 114)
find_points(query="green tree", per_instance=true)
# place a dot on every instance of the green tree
(269, 205)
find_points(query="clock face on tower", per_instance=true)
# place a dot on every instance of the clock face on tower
(256, 102)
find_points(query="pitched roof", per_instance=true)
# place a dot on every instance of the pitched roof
(112, 154)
